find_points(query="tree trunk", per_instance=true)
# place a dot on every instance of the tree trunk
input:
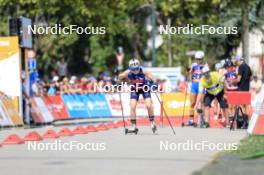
(169, 45)
(245, 31)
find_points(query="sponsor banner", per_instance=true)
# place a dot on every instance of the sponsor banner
(4, 118)
(36, 112)
(97, 105)
(174, 104)
(44, 110)
(76, 106)
(50, 108)
(12, 112)
(114, 103)
(56, 107)
(10, 66)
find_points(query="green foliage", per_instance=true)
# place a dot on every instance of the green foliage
(125, 26)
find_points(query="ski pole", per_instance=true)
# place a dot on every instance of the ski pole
(183, 112)
(165, 113)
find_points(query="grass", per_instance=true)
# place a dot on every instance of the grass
(251, 147)
(243, 161)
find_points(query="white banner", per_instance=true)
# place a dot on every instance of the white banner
(10, 76)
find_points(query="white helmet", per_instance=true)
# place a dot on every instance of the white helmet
(222, 62)
(218, 66)
(205, 69)
(134, 64)
(199, 55)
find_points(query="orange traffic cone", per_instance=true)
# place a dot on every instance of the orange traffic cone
(33, 136)
(79, 130)
(91, 128)
(13, 139)
(65, 132)
(50, 134)
(101, 127)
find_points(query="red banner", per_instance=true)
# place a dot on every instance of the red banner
(35, 112)
(56, 107)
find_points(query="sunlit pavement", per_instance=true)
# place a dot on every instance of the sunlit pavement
(115, 153)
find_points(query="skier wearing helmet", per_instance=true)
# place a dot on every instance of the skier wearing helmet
(139, 78)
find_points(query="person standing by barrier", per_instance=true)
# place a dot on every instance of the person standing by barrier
(211, 86)
(26, 105)
(243, 77)
(138, 78)
(196, 74)
(244, 74)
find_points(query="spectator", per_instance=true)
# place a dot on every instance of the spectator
(35, 87)
(73, 85)
(92, 85)
(52, 89)
(244, 74)
(26, 100)
(39, 88)
(64, 86)
(61, 68)
(83, 85)
(243, 78)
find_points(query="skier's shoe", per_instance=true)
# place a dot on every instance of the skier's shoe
(153, 127)
(206, 125)
(191, 123)
(201, 124)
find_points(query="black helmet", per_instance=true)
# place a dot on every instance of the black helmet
(228, 63)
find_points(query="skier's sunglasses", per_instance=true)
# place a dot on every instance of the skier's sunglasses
(134, 69)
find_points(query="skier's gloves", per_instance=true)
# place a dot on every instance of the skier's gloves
(153, 86)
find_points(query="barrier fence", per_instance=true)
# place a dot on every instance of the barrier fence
(99, 105)
(8, 114)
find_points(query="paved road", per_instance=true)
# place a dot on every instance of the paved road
(129, 155)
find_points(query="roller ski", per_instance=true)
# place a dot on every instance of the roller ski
(128, 131)
(133, 130)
